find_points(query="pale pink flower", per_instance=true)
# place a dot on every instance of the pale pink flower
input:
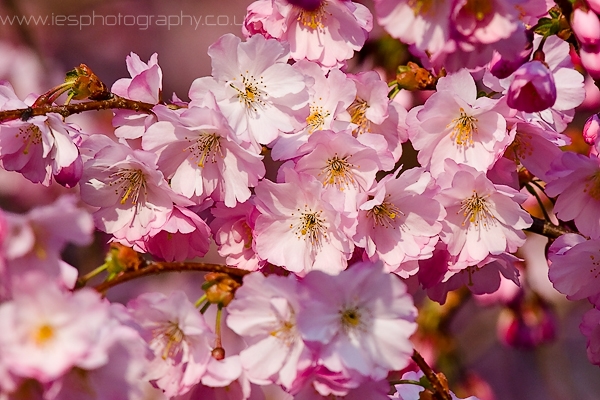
(132, 195)
(409, 391)
(575, 266)
(233, 233)
(342, 164)
(39, 147)
(264, 313)
(309, 232)
(532, 89)
(401, 220)
(576, 182)
(590, 328)
(144, 85)
(328, 34)
(257, 91)
(326, 384)
(329, 97)
(178, 336)
(198, 153)
(359, 320)
(455, 124)
(482, 218)
(44, 331)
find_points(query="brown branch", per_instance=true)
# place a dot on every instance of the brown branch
(440, 391)
(155, 268)
(115, 102)
(548, 229)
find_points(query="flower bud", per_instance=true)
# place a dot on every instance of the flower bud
(70, 175)
(502, 68)
(590, 59)
(591, 129)
(532, 89)
(586, 27)
(220, 288)
(594, 5)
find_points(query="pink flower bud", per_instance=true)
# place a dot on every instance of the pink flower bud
(594, 5)
(586, 27)
(591, 129)
(533, 88)
(70, 175)
(502, 68)
(590, 59)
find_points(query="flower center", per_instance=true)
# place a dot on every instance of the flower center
(358, 116)
(313, 19)
(206, 146)
(169, 337)
(310, 226)
(338, 172)
(286, 331)
(479, 8)
(31, 135)
(475, 210)
(592, 186)
(384, 214)
(250, 93)
(316, 119)
(43, 334)
(463, 129)
(129, 183)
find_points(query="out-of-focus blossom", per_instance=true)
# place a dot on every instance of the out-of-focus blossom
(586, 27)
(327, 34)
(591, 129)
(179, 338)
(590, 327)
(590, 59)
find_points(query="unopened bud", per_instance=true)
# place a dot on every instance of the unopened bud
(220, 288)
(86, 85)
(586, 27)
(591, 129)
(413, 77)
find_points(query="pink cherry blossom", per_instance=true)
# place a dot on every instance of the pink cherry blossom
(39, 147)
(328, 34)
(401, 221)
(179, 338)
(361, 319)
(264, 313)
(576, 182)
(144, 85)
(233, 233)
(44, 331)
(131, 194)
(409, 391)
(455, 124)
(198, 153)
(575, 266)
(586, 27)
(309, 232)
(482, 218)
(257, 91)
(591, 129)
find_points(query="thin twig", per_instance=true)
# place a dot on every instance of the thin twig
(546, 228)
(440, 390)
(155, 268)
(116, 102)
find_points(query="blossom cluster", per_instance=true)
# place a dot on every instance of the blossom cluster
(289, 162)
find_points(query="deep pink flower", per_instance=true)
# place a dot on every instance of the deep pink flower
(586, 27)
(39, 147)
(591, 129)
(532, 88)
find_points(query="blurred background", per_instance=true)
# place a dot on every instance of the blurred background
(484, 346)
